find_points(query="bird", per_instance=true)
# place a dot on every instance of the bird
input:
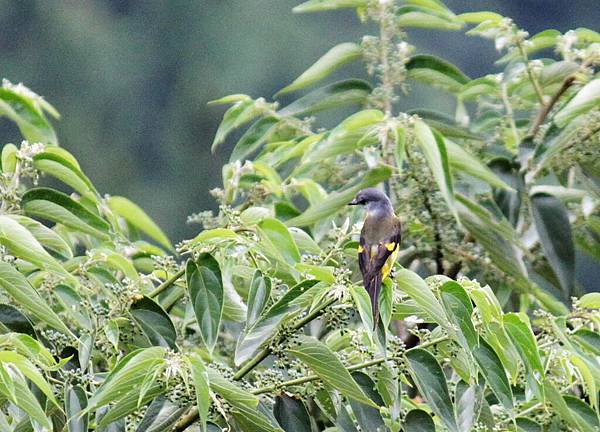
(379, 242)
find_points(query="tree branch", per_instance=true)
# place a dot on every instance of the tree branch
(167, 283)
(258, 358)
(192, 415)
(546, 108)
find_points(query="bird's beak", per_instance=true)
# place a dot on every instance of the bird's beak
(353, 202)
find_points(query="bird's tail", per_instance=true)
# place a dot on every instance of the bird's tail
(372, 284)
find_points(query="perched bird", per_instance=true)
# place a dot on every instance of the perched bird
(379, 242)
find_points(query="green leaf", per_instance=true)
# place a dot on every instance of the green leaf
(459, 309)
(305, 242)
(161, 415)
(585, 99)
(363, 304)
(445, 124)
(356, 131)
(367, 417)
(131, 402)
(15, 321)
(58, 207)
(155, 322)
(71, 302)
(492, 369)
(291, 414)
(421, 17)
(128, 376)
(236, 116)
(588, 340)
(582, 412)
(416, 288)
(244, 405)
(461, 161)
(336, 95)
(258, 297)
(335, 58)
(134, 215)
(278, 241)
(64, 170)
(479, 17)
(329, 368)
(205, 288)
(518, 327)
(29, 370)
(254, 137)
(9, 158)
(554, 230)
(468, 400)
(590, 301)
(17, 287)
(22, 244)
(45, 236)
(28, 115)
(527, 425)
(14, 388)
(431, 381)
(542, 40)
(564, 411)
(75, 404)
(497, 237)
(201, 384)
(254, 337)
(323, 5)
(436, 72)
(418, 420)
(337, 200)
(433, 147)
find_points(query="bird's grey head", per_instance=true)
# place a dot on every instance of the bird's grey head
(375, 202)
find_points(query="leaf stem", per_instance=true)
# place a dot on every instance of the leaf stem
(167, 283)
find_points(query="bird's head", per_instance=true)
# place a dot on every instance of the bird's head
(374, 201)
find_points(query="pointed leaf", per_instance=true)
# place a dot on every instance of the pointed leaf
(134, 215)
(17, 287)
(336, 95)
(335, 58)
(323, 5)
(418, 420)
(416, 288)
(554, 229)
(431, 381)
(75, 404)
(433, 147)
(58, 207)
(278, 240)
(205, 288)
(258, 297)
(291, 414)
(585, 99)
(459, 309)
(253, 138)
(155, 322)
(492, 369)
(201, 384)
(329, 368)
(437, 72)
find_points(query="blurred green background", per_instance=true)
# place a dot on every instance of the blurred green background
(131, 78)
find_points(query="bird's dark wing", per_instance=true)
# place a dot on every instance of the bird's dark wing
(371, 261)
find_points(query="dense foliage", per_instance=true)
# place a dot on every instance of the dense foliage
(259, 323)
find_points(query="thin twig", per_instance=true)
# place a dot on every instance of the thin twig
(546, 108)
(258, 358)
(167, 283)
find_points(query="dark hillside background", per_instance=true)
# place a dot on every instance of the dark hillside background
(131, 78)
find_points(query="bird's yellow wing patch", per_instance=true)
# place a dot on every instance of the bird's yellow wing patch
(389, 263)
(390, 246)
(360, 249)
